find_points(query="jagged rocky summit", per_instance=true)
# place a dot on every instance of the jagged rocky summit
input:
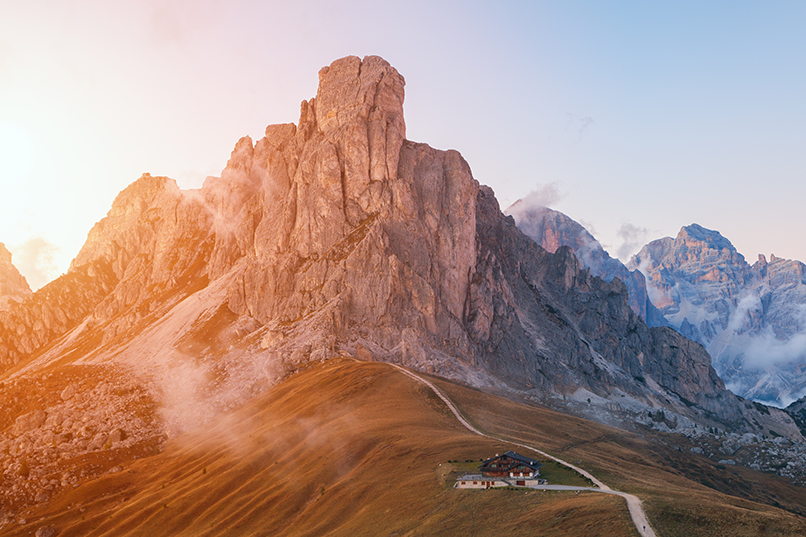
(13, 285)
(335, 236)
(751, 318)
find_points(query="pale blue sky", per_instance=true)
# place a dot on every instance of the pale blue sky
(644, 116)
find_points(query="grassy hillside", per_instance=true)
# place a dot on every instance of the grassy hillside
(684, 494)
(349, 448)
(342, 449)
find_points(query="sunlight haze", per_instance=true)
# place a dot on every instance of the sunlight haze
(644, 117)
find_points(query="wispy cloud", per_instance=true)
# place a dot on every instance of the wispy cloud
(746, 305)
(767, 350)
(527, 210)
(632, 238)
(542, 196)
(35, 259)
(579, 125)
(589, 226)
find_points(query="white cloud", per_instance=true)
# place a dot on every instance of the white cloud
(35, 259)
(743, 308)
(766, 350)
(542, 196)
(632, 238)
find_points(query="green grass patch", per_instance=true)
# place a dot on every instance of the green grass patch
(556, 474)
(465, 467)
(454, 469)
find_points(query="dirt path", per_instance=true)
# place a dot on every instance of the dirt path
(633, 503)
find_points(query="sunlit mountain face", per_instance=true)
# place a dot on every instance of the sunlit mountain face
(749, 317)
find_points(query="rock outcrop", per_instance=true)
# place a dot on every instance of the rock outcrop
(752, 319)
(13, 285)
(51, 311)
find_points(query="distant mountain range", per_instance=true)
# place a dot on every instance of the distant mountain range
(750, 318)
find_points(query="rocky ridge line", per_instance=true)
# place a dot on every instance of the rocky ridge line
(552, 229)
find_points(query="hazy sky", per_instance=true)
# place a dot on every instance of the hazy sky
(634, 118)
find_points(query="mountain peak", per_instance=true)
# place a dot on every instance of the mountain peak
(712, 238)
(241, 155)
(352, 89)
(750, 318)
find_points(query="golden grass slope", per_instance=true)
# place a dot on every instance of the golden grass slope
(349, 448)
(683, 494)
(341, 449)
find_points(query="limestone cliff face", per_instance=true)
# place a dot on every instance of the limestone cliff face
(750, 318)
(552, 229)
(357, 221)
(13, 285)
(157, 242)
(339, 236)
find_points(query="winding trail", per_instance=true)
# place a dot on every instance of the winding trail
(633, 503)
